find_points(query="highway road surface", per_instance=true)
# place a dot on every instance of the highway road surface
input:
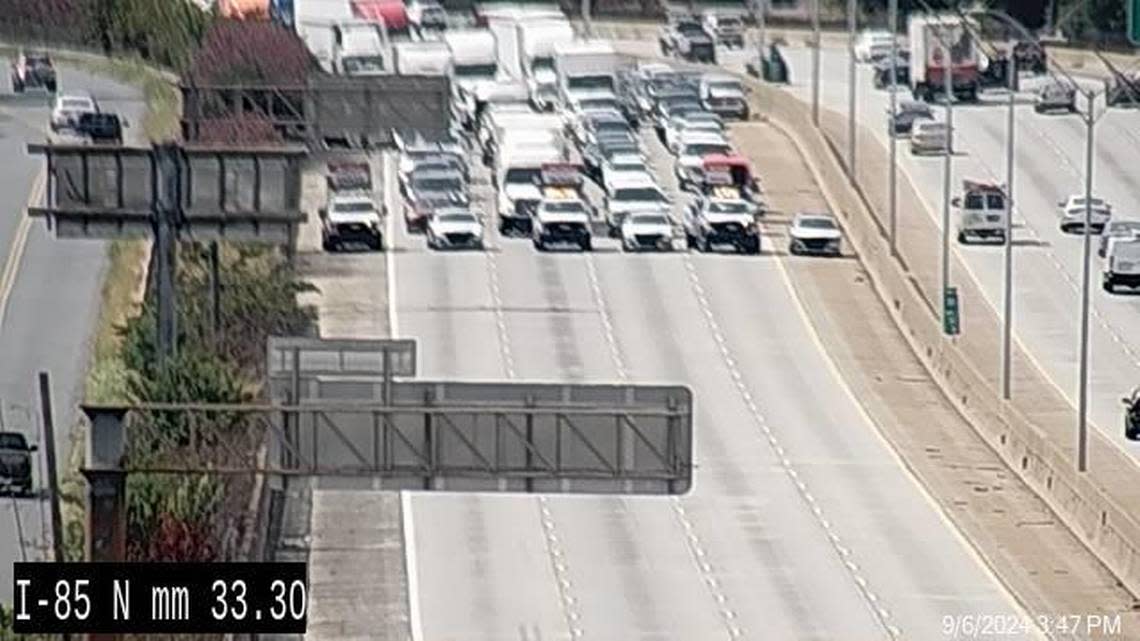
(802, 525)
(49, 298)
(1047, 263)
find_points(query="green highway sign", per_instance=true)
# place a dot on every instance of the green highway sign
(1134, 21)
(951, 319)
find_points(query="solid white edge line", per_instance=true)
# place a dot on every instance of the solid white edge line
(407, 521)
(19, 242)
(410, 566)
(390, 203)
(967, 544)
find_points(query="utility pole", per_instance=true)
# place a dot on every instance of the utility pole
(851, 75)
(893, 20)
(1007, 291)
(52, 479)
(815, 62)
(1083, 394)
(948, 87)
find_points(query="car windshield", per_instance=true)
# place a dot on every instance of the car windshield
(639, 193)
(611, 125)
(630, 166)
(12, 441)
(705, 149)
(688, 28)
(438, 184)
(975, 201)
(995, 201)
(475, 71)
(726, 85)
(817, 223)
(362, 64)
(650, 219)
(728, 208)
(360, 207)
(458, 217)
(565, 207)
(590, 82)
(521, 175)
(597, 103)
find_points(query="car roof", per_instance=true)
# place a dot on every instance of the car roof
(437, 173)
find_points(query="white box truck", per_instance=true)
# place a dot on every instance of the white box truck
(586, 69)
(361, 49)
(537, 40)
(930, 37)
(474, 63)
(315, 22)
(422, 58)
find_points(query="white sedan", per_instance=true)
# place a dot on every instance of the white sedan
(453, 228)
(815, 234)
(69, 107)
(647, 230)
(873, 44)
(621, 170)
(1072, 214)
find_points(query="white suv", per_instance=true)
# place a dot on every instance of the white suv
(1072, 214)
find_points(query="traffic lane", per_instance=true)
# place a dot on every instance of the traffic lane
(785, 602)
(905, 550)
(485, 572)
(54, 299)
(628, 569)
(769, 562)
(1046, 293)
(863, 489)
(482, 568)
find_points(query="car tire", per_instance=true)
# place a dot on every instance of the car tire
(962, 238)
(586, 245)
(1108, 285)
(328, 245)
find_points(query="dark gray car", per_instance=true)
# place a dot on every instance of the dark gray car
(15, 463)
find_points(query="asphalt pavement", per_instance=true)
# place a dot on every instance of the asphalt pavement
(802, 525)
(1049, 166)
(51, 304)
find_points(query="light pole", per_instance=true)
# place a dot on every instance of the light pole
(1090, 119)
(893, 20)
(761, 26)
(815, 62)
(851, 89)
(948, 87)
(1083, 394)
(1007, 291)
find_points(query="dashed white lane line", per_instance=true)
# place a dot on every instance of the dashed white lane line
(554, 552)
(558, 566)
(862, 585)
(692, 539)
(1052, 255)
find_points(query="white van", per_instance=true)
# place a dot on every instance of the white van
(1122, 263)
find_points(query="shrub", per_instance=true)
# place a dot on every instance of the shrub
(235, 51)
